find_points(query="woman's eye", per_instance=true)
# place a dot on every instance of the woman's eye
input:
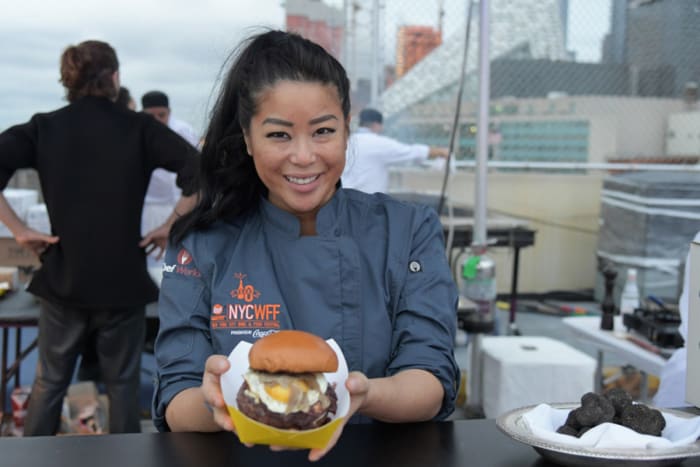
(325, 131)
(278, 135)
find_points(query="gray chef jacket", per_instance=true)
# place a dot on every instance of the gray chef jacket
(375, 278)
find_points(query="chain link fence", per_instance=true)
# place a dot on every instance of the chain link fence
(575, 82)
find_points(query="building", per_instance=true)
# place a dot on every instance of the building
(519, 29)
(413, 43)
(318, 22)
(658, 40)
(614, 42)
(556, 129)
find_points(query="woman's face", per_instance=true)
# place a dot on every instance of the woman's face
(297, 140)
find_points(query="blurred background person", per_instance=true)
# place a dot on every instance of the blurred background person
(124, 98)
(370, 154)
(94, 159)
(162, 193)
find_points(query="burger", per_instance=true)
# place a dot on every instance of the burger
(285, 386)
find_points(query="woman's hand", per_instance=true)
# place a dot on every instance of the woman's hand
(358, 386)
(35, 241)
(202, 408)
(156, 239)
(216, 366)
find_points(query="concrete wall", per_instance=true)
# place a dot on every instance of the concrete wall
(563, 209)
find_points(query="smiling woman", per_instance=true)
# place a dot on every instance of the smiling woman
(297, 140)
(272, 218)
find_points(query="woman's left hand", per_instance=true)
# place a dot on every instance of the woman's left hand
(357, 385)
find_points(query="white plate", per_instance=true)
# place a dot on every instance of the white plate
(514, 426)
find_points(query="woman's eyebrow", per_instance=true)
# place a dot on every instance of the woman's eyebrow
(322, 118)
(277, 121)
(313, 121)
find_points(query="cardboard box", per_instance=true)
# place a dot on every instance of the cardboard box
(12, 254)
(692, 384)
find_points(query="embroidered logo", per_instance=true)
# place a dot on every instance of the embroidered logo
(184, 258)
(243, 313)
(183, 265)
(246, 293)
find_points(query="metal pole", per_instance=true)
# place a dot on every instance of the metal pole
(346, 33)
(482, 132)
(374, 82)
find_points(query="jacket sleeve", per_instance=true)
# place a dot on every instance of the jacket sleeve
(184, 338)
(168, 150)
(426, 320)
(396, 152)
(17, 150)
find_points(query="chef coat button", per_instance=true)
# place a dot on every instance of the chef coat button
(337, 232)
(414, 266)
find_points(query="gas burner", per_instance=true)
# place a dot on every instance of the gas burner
(658, 326)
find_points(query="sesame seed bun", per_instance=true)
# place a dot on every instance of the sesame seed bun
(292, 351)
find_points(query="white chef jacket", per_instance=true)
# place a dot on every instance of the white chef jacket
(163, 193)
(671, 391)
(369, 156)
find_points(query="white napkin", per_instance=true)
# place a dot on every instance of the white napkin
(544, 420)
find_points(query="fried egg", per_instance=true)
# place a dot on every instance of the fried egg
(286, 393)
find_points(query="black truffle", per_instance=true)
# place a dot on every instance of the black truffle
(620, 400)
(617, 407)
(643, 419)
(567, 430)
(595, 409)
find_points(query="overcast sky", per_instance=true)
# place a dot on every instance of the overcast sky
(177, 46)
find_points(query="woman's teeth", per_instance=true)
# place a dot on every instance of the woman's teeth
(302, 181)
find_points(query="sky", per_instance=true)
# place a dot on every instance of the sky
(177, 46)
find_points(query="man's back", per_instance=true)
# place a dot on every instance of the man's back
(369, 157)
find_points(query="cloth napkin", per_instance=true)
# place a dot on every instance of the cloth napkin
(543, 421)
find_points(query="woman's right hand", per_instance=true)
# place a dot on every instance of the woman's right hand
(35, 241)
(216, 365)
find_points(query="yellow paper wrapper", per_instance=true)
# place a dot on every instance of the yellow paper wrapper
(251, 431)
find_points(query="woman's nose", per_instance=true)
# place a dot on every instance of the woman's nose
(303, 152)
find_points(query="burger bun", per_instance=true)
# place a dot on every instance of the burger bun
(292, 351)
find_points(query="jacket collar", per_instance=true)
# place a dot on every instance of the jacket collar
(286, 223)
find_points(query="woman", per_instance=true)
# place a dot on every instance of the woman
(274, 228)
(94, 159)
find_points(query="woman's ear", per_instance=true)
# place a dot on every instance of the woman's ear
(247, 143)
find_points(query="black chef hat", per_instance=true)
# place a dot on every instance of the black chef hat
(368, 116)
(154, 99)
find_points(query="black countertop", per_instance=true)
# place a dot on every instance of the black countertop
(458, 443)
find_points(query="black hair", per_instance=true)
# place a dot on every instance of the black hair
(229, 185)
(369, 116)
(123, 97)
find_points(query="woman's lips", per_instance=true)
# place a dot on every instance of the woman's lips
(302, 180)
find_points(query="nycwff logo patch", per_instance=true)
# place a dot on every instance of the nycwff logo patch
(246, 311)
